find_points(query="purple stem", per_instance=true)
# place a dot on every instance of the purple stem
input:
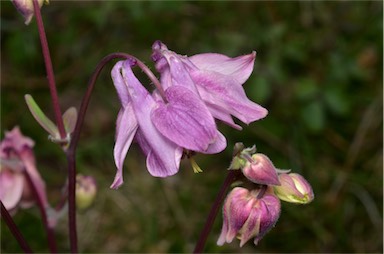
(48, 229)
(14, 230)
(49, 69)
(231, 177)
(71, 151)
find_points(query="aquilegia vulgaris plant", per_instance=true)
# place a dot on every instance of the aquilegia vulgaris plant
(175, 119)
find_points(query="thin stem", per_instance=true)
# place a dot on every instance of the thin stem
(49, 69)
(231, 177)
(263, 189)
(14, 229)
(71, 151)
(48, 229)
(152, 77)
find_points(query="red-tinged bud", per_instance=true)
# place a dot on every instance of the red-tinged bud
(246, 215)
(260, 169)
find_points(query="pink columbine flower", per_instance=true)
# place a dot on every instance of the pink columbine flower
(294, 189)
(216, 78)
(246, 215)
(17, 160)
(260, 169)
(163, 127)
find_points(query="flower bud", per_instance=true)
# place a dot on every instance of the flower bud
(25, 7)
(85, 191)
(260, 169)
(294, 188)
(246, 215)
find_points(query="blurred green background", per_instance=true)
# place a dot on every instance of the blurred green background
(318, 71)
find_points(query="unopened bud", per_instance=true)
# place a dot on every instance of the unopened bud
(260, 169)
(294, 189)
(85, 191)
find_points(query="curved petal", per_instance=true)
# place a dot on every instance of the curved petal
(163, 158)
(11, 188)
(126, 126)
(239, 207)
(179, 74)
(239, 67)
(119, 84)
(218, 146)
(223, 116)
(226, 93)
(185, 120)
(273, 207)
(251, 227)
(155, 165)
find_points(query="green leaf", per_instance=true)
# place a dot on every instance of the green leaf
(40, 117)
(70, 119)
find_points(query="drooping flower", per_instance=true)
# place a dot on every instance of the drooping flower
(25, 7)
(248, 214)
(163, 127)
(261, 170)
(216, 78)
(294, 189)
(17, 160)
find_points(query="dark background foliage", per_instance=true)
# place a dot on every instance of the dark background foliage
(318, 71)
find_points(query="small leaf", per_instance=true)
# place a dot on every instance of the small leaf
(40, 117)
(70, 119)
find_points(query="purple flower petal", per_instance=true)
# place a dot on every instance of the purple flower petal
(223, 116)
(226, 93)
(164, 156)
(239, 67)
(119, 83)
(12, 185)
(219, 145)
(185, 120)
(126, 126)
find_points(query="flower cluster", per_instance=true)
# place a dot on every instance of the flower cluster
(179, 115)
(252, 212)
(18, 172)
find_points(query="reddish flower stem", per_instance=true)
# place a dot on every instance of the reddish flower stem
(48, 229)
(71, 151)
(231, 177)
(49, 69)
(14, 229)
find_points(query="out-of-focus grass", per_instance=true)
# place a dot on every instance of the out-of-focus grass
(318, 71)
